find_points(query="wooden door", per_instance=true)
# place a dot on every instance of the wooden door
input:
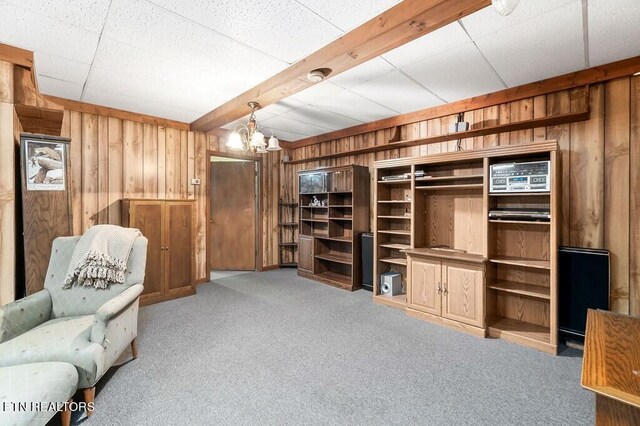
(463, 294)
(232, 240)
(147, 217)
(305, 253)
(178, 242)
(424, 286)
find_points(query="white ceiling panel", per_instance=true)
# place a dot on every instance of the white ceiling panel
(362, 73)
(488, 21)
(61, 68)
(261, 115)
(398, 92)
(143, 106)
(281, 122)
(349, 104)
(520, 55)
(316, 92)
(86, 14)
(107, 80)
(59, 88)
(155, 29)
(347, 15)
(441, 40)
(265, 25)
(456, 74)
(27, 30)
(614, 30)
(287, 135)
(282, 106)
(321, 117)
(159, 70)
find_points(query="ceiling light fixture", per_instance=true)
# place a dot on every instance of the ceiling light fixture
(504, 7)
(317, 75)
(248, 138)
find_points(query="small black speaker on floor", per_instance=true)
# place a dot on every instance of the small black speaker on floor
(367, 261)
(583, 281)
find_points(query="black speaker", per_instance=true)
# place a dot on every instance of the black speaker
(583, 282)
(367, 261)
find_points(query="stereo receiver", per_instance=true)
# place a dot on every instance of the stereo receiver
(532, 176)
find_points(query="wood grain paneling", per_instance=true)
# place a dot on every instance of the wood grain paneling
(8, 120)
(115, 169)
(616, 207)
(132, 159)
(150, 154)
(75, 154)
(634, 182)
(89, 170)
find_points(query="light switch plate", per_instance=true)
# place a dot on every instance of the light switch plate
(195, 181)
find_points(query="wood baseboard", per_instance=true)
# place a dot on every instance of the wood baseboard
(269, 268)
(469, 329)
(174, 294)
(201, 281)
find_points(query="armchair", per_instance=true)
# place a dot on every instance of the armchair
(84, 326)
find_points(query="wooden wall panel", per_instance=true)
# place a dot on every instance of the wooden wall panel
(115, 170)
(150, 155)
(634, 202)
(172, 163)
(103, 169)
(89, 160)
(75, 154)
(616, 213)
(162, 170)
(8, 119)
(600, 176)
(132, 159)
(200, 172)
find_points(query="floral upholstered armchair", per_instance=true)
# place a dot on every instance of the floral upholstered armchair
(84, 326)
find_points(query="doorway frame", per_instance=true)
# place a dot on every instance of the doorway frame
(258, 162)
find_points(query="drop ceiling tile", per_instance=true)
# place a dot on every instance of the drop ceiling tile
(108, 80)
(488, 21)
(546, 46)
(282, 106)
(149, 27)
(354, 106)
(261, 115)
(267, 25)
(142, 106)
(316, 92)
(398, 92)
(321, 117)
(607, 45)
(86, 14)
(434, 43)
(146, 66)
(288, 136)
(362, 73)
(287, 124)
(456, 74)
(38, 33)
(347, 15)
(59, 88)
(61, 68)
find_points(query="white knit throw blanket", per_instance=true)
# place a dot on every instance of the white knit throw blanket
(100, 257)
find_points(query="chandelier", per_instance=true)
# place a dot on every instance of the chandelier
(247, 137)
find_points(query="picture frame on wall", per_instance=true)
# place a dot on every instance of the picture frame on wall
(45, 165)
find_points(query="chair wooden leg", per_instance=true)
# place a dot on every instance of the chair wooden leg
(89, 395)
(65, 414)
(134, 348)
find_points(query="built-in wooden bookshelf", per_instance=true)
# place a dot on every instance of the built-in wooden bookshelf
(333, 213)
(287, 234)
(432, 226)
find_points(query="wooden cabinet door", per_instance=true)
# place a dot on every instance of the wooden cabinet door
(305, 253)
(178, 241)
(147, 217)
(424, 285)
(463, 293)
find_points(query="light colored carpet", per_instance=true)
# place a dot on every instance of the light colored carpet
(273, 348)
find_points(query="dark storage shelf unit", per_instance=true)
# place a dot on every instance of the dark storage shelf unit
(287, 234)
(334, 212)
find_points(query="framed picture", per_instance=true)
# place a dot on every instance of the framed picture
(44, 165)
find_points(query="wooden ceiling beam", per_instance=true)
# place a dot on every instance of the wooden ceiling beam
(572, 80)
(401, 24)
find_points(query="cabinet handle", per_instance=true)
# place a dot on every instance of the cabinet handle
(445, 289)
(439, 288)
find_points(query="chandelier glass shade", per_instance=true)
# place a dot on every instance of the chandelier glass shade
(247, 137)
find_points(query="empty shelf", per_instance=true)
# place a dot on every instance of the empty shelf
(445, 187)
(396, 246)
(338, 258)
(395, 232)
(499, 326)
(519, 261)
(523, 289)
(394, 260)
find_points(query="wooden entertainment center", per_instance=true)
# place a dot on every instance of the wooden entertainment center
(459, 268)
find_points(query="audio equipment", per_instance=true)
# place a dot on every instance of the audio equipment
(397, 177)
(390, 284)
(542, 215)
(531, 176)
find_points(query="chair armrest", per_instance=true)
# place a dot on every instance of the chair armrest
(112, 309)
(24, 314)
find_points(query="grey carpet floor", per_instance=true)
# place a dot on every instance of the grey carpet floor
(273, 348)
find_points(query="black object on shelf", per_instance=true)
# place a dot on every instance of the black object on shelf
(583, 282)
(367, 261)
